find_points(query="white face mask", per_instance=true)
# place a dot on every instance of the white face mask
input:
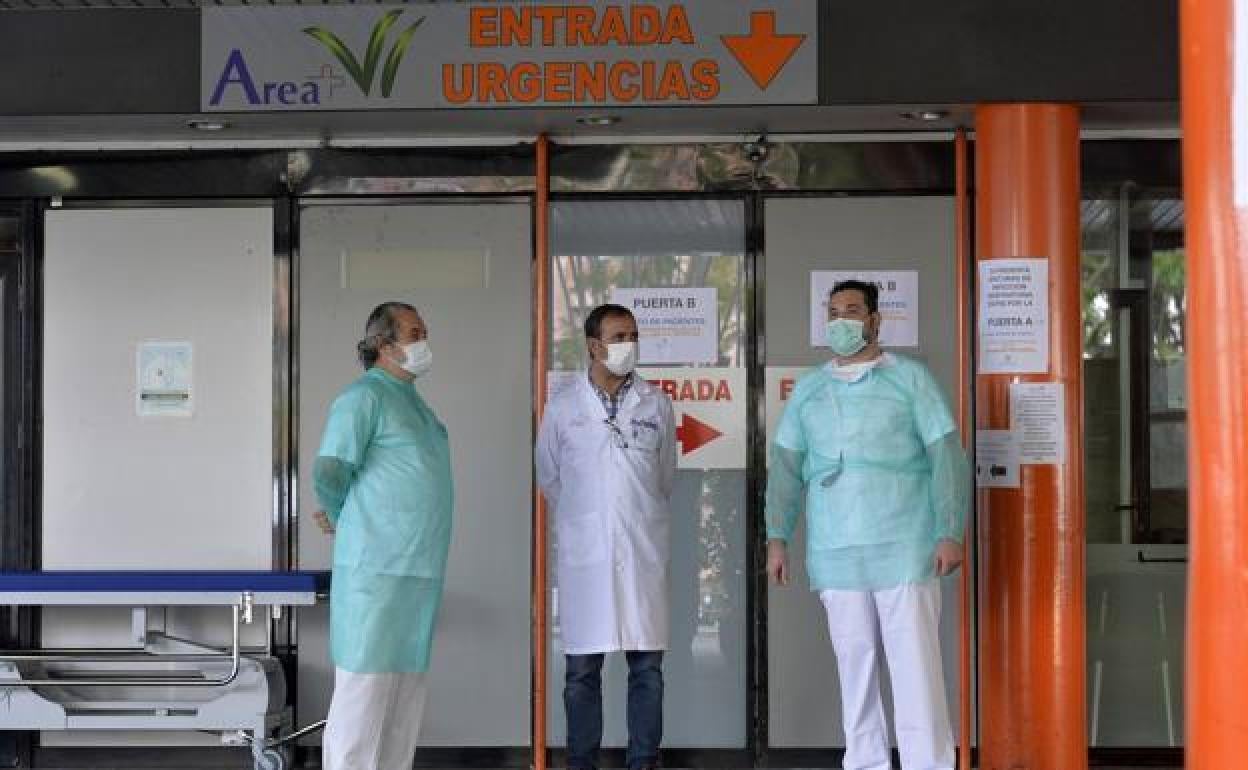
(621, 358)
(417, 358)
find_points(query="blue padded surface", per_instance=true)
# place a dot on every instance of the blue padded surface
(189, 581)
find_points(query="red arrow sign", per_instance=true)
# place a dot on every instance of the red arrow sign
(763, 53)
(693, 434)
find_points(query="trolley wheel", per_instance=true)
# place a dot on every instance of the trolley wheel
(272, 759)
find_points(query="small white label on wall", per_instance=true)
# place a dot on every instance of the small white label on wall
(164, 374)
(996, 459)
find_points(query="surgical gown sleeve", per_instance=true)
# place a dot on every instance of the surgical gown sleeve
(546, 456)
(784, 475)
(950, 484)
(348, 432)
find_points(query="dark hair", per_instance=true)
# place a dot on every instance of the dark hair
(593, 324)
(382, 327)
(870, 292)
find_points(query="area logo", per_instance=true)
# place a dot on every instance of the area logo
(309, 90)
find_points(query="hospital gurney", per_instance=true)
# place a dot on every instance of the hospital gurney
(161, 682)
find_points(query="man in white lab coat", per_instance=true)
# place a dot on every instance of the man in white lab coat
(606, 461)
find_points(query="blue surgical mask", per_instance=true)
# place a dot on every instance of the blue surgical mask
(844, 336)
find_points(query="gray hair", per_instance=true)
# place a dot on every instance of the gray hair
(382, 327)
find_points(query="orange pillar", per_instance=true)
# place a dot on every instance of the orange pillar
(1032, 545)
(1217, 243)
(967, 576)
(541, 365)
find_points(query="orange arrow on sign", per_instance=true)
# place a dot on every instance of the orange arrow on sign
(693, 434)
(763, 53)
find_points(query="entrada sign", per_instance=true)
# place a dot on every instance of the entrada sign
(465, 55)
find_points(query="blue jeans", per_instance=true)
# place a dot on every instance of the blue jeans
(582, 701)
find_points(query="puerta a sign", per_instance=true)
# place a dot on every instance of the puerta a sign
(515, 55)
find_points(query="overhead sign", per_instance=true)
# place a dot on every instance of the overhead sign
(490, 55)
(710, 414)
(676, 325)
(1013, 316)
(899, 304)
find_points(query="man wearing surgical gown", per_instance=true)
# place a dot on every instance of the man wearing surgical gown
(383, 476)
(868, 447)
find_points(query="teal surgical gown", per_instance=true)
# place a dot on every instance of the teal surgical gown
(882, 472)
(383, 475)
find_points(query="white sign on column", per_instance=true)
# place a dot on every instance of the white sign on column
(996, 459)
(677, 325)
(899, 304)
(1036, 410)
(1014, 316)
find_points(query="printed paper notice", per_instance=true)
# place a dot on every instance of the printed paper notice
(677, 325)
(996, 459)
(164, 380)
(899, 304)
(1014, 316)
(1036, 410)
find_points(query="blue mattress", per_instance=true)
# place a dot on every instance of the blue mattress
(164, 581)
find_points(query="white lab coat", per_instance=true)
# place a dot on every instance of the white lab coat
(612, 515)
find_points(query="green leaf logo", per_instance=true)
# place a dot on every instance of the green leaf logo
(396, 55)
(363, 73)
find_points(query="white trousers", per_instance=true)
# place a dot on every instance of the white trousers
(374, 721)
(907, 620)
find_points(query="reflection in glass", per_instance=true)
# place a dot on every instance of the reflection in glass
(1135, 414)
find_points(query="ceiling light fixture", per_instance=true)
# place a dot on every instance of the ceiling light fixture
(207, 125)
(598, 120)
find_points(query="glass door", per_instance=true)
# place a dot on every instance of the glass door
(1135, 413)
(680, 265)
(906, 245)
(466, 266)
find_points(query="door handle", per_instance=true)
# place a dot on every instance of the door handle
(1142, 559)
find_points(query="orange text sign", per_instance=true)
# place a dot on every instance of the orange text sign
(709, 404)
(475, 55)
